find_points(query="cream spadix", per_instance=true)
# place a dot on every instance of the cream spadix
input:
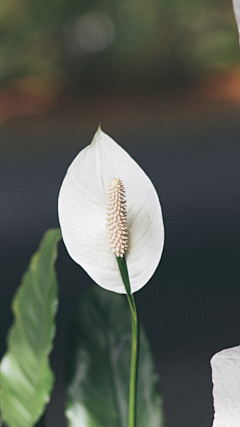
(98, 171)
(117, 217)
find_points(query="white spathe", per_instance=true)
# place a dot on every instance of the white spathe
(83, 215)
(236, 8)
(226, 387)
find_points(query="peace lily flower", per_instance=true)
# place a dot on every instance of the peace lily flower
(108, 205)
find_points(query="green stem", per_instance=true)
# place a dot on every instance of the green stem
(134, 350)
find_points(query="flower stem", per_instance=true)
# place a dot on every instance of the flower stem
(134, 350)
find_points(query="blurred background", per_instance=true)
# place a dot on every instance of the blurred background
(163, 78)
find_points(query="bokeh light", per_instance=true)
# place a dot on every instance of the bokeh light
(93, 32)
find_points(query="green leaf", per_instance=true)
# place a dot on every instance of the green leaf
(98, 366)
(26, 377)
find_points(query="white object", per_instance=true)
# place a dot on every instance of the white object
(236, 9)
(83, 215)
(226, 387)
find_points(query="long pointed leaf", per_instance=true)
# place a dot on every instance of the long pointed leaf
(98, 365)
(26, 377)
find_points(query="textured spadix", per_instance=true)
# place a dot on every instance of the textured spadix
(83, 203)
(117, 218)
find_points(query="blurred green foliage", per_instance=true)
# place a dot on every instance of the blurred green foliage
(153, 42)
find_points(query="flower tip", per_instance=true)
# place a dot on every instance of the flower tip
(98, 135)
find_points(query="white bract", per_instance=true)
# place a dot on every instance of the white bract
(83, 208)
(226, 387)
(236, 8)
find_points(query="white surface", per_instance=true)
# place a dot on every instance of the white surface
(236, 8)
(226, 387)
(83, 215)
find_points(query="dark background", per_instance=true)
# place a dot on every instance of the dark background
(173, 102)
